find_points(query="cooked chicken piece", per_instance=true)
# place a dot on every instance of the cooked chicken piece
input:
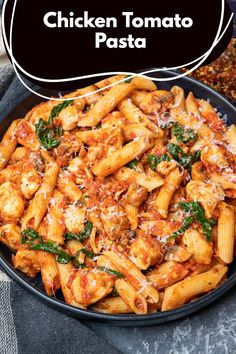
(208, 194)
(10, 236)
(89, 286)
(197, 244)
(74, 218)
(11, 201)
(27, 261)
(145, 252)
(69, 117)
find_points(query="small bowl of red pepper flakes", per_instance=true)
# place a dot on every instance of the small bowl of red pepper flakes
(221, 74)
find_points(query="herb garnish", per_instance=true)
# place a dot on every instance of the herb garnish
(89, 254)
(51, 247)
(154, 160)
(111, 272)
(186, 223)
(29, 236)
(183, 135)
(179, 155)
(81, 236)
(57, 109)
(48, 135)
(199, 215)
(132, 164)
(36, 243)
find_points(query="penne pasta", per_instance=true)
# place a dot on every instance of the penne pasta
(105, 105)
(65, 271)
(136, 301)
(132, 215)
(167, 191)
(121, 157)
(167, 274)
(127, 292)
(50, 273)
(8, 144)
(69, 188)
(191, 105)
(39, 204)
(226, 230)
(112, 305)
(180, 293)
(133, 275)
(55, 218)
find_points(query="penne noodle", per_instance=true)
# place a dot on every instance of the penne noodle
(39, 204)
(112, 305)
(167, 274)
(132, 215)
(133, 275)
(231, 138)
(65, 271)
(69, 188)
(143, 83)
(183, 291)
(92, 241)
(172, 182)
(105, 105)
(55, 218)
(109, 81)
(191, 105)
(126, 291)
(121, 157)
(8, 144)
(74, 246)
(50, 273)
(130, 111)
(179, 98)
(134, 300)
(226, 229)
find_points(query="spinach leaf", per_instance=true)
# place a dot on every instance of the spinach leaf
(186, 223)
(199, 215)
(111, 272)
(183, 135)
(89, 254)
(187, 160)
(57, 109)
(82, 235)
(51, 247)
(175, 151)
(132, 164)
(47, 135)
(154, 160)
(179, 155)
(29, 236)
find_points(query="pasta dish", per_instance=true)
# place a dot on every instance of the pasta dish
(123, 199)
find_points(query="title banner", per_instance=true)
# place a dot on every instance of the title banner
(50, 40)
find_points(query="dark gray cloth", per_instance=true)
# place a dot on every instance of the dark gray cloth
(40, 329)
(26, 324)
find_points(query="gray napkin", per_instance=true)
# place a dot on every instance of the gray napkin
(26, 324)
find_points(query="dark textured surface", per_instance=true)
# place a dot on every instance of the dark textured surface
(210, 331)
